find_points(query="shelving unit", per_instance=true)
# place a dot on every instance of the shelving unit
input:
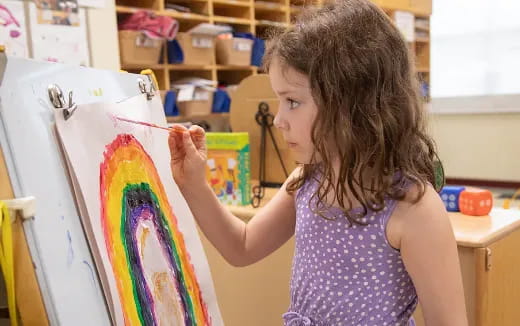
(257, 17)
(422, 53)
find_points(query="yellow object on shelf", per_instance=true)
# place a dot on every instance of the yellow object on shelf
(507, 202)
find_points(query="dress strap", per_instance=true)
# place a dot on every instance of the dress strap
(293, 318)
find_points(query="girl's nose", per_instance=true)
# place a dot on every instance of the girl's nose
(279, 122)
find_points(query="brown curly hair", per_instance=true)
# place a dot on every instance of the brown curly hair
(366, 89)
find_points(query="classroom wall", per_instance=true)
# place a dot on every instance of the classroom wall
(102, 30)
(478, 146)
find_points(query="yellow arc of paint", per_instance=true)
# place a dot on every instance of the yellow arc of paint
(129, 165)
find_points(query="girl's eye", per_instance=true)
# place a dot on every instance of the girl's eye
(292, 104)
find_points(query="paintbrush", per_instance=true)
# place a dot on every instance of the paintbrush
(176, 129)
(153, 125)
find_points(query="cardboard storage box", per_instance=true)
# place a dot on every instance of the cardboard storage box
(199, 104)
(137, 48)
(197, 49)
(194, 108)
(235, 51)
(228, 166)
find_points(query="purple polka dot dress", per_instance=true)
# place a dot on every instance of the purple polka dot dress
(346, 274)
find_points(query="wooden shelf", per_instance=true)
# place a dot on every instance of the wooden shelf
(421, 28)
(271, 23)
(232, 20)
(181, 66)
(422, 69)
(295, 9)
(139, 66)
(184, 15)
(422, 40)
(169, 13)
(197, 117)
(421, 13)
(131, 10)
(231, 67)
(270, 6)
(232, 3)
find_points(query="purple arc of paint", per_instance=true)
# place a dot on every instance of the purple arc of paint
(145, 212)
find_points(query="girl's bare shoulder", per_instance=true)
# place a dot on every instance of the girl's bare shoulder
(411, 215)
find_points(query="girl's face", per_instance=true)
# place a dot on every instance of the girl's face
(297, 109)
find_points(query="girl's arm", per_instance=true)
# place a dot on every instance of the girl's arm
(429, 252)
(238, 242)
(241, 243)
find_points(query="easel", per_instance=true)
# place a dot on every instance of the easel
(29, 302)
(264, 118)
(29, 292)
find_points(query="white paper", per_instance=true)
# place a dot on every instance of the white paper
(210, 29)
(88, 138)
(202, 95)
(242, 45)
(195, 81)
(186, 93)
(92, 3)
(202, 42)
(405, 22)
(59, 43)
(144, 41)
(13, 34)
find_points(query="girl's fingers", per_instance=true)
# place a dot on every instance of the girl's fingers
(176, 145)
(179, 128)
(198, 135)
(189, 146)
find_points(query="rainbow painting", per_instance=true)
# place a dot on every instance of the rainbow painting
(156, 281)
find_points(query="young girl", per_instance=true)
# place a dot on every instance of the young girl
(372, 235)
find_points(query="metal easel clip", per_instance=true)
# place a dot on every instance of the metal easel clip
(150, 91)
(58, 101)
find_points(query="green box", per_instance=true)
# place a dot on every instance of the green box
(228, 166)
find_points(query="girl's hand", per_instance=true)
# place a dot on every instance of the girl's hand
(188, 155)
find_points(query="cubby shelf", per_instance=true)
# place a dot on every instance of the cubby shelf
(232, 20)
(256, 17)
(232, 3)
(170, 13)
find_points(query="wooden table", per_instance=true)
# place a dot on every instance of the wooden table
(489, 252)
(247, 212)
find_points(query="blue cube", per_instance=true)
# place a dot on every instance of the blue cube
(450, 197)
